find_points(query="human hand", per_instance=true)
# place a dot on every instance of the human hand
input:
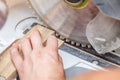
(38, 62)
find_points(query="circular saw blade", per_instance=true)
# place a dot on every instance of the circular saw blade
(68, 22)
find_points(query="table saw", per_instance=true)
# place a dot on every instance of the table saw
(78, 26)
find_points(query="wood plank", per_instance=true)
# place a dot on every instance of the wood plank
(7, 69)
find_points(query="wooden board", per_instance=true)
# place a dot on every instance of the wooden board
(7, 69)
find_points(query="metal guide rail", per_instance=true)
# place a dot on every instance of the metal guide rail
(110, 57)
(86, 52)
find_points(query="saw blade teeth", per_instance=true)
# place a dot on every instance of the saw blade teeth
(83, 45)
(62, 38)
(77, 44)
(89, 46)
(57, 35)
(67, 40)
(73, 42)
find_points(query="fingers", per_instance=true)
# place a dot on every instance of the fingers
(52, 43)
(36, 40)
(26, 47)
(52, 46)
(16, 57)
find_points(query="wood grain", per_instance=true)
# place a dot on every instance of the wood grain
(7, 69)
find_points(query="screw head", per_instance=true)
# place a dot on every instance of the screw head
(95, 62)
